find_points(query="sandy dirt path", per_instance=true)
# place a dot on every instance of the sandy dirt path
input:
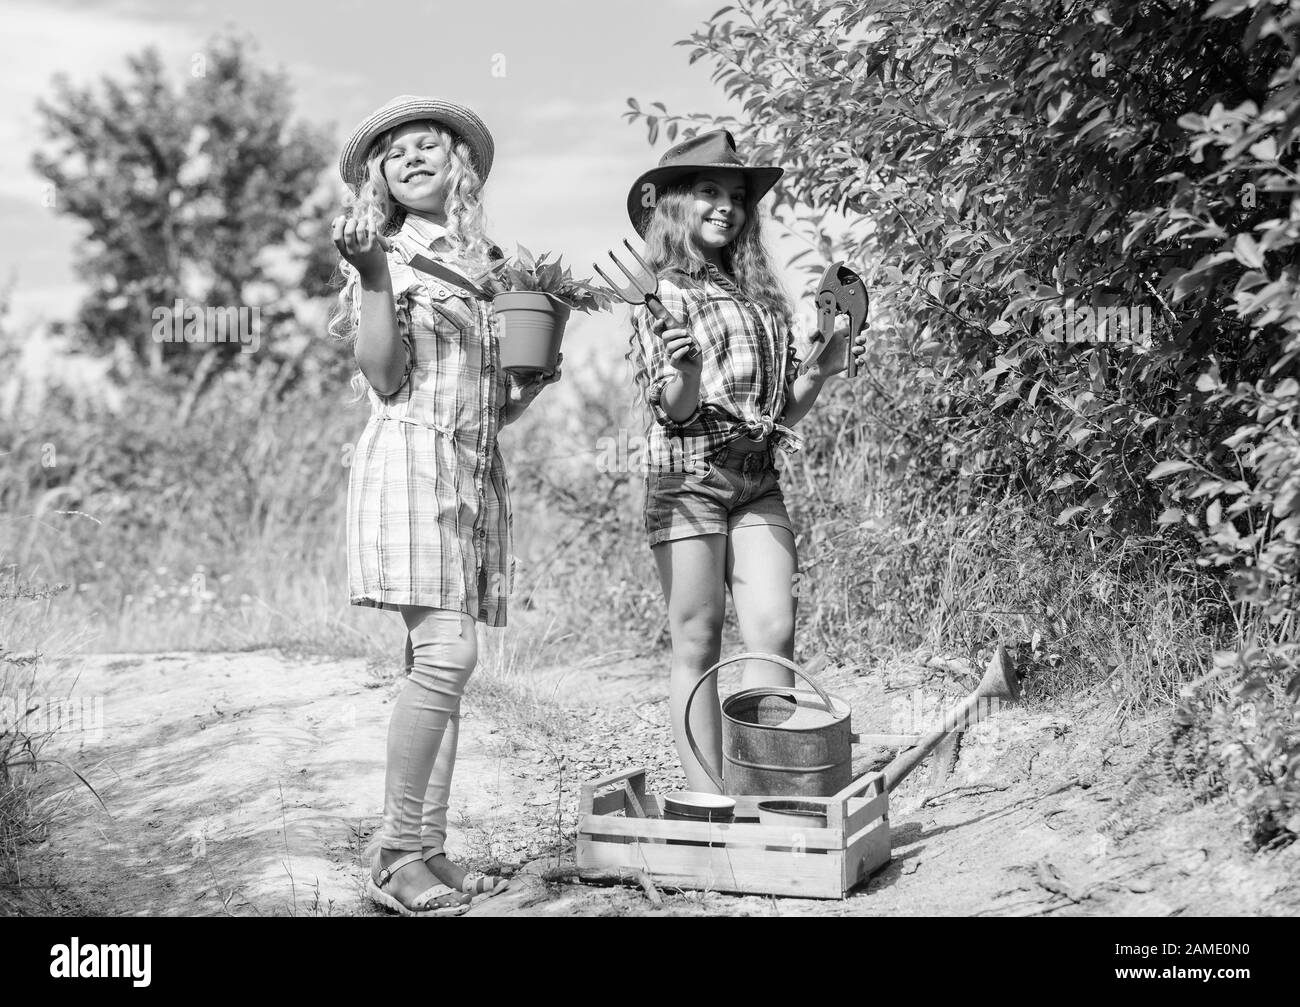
(236, 783)
(247, 783)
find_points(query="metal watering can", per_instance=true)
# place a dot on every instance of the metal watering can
(782, 742)
(779, 741)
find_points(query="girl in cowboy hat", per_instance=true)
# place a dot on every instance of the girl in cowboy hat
(428, 521)
(723, 391)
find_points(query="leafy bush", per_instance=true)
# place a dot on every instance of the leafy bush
(1079, 226)
(1247, 746)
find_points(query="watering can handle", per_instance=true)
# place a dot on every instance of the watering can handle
(714, 774)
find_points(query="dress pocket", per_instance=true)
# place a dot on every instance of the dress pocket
(449, 304)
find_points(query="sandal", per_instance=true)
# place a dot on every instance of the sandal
(476, 882)
(424, 904)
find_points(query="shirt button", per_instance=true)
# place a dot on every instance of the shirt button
(481, 533)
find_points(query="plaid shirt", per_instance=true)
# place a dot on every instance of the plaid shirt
(429, 518)
(749, 364)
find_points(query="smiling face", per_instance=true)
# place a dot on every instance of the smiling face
(415, 167)
(719, 210)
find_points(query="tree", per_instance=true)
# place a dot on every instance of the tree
(188, 193)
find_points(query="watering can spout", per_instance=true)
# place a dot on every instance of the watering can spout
(1000, 682)
(1000, 679)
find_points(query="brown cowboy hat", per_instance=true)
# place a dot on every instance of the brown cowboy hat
(408, 108)
(715, 149)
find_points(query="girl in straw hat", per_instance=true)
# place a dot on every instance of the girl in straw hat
(428, 519)
(722, 391)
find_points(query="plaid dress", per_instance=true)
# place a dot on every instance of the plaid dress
(749, 364)
(429, 518)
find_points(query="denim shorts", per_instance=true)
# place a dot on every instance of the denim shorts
(736, 487)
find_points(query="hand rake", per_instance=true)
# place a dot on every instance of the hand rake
(642, 288)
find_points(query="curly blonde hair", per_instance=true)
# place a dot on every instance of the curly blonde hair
(374, 204)
(672, 254)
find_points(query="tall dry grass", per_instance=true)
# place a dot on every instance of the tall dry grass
(225, 529)
(896, 557)
(33, 709)
(226, 532)
(222, 528)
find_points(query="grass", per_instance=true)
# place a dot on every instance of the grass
(226, 533)
(28, 637)
(890, 568)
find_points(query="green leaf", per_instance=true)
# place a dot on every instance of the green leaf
(1070, 512)
(1247, 252)
(1241, 434)
(1228, 8)
(1265, 150)
(1168, 468)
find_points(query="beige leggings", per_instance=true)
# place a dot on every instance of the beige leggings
(441, 652)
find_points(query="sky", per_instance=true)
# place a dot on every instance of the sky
(564, 71)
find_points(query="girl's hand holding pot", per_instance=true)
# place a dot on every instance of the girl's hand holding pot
(522, 391)
(363, 247)
(682, 352)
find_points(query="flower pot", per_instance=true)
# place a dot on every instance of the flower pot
(530, 328)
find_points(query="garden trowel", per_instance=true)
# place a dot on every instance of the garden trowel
(485, 288)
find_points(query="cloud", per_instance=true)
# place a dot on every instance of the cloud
(571, 111)
(42, 40)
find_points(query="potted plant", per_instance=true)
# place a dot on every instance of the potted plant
(532, 300)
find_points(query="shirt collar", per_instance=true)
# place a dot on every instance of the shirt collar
(425, 235)
(710, 273)
(701, 267)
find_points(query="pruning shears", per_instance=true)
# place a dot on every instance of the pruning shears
(840, 292)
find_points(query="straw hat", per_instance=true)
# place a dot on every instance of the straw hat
(715, 149)
(408, 108)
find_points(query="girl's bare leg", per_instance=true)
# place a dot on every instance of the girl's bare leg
(691, 572)
(761, 564)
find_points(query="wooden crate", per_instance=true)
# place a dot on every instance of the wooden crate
(621, 826)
